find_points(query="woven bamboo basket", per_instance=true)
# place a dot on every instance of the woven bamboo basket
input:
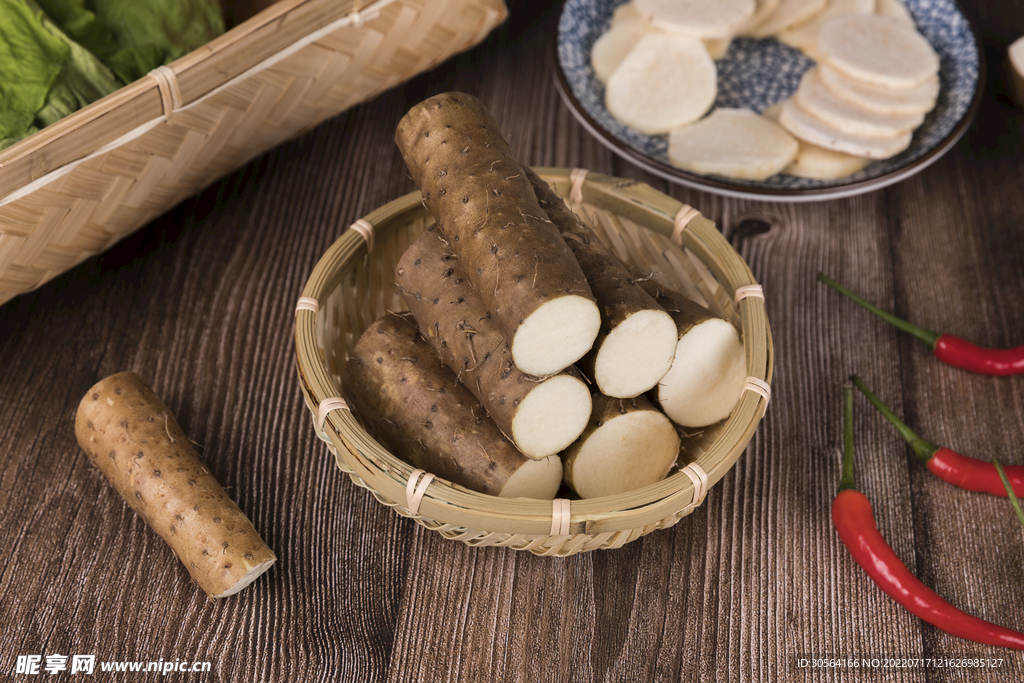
(78, 186)
(353, 285)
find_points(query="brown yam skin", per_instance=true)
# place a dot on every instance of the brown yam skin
(617, 295)
(403, 391)
(486, 209)
(685, 312)
(452, 317)
(134, 440)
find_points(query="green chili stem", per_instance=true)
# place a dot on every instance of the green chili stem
(847, 481)
(1009, 489)
(927, 336)
(922, 449)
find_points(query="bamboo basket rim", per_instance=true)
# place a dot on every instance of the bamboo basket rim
(388, 476)
(267, 36)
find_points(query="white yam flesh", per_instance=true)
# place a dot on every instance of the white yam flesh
(805, 36)
(897, 10)
(636, 354)
(556, 335)
(787, 14)
(737, 143)
(763, 10)
(666, 81)
(1015, 69)
(816, 162)
(635, 446)
(877, 49)
(816, 99)
(707, 377)
(884, 100)
(698, 18)
(818, 132)
(614, 44)
(551, 416)
(538, 479)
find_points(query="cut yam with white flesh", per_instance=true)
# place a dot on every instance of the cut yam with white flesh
(737, 143)
(816, 162)
(486, 209)
(818, 132)
(697, 18)
(804, 36)
(540, 415)
(877, 49)
(629, 444)
(897, 10)
(412, 401)
(638, 338)
(132, 437)
(666, 81)
(787, 14)
(614, 44)
(762, 11)
(818, 100)
(883, 100)
(1015, 71)
(709, 371)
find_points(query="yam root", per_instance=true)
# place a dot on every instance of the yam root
(487, 211)
(540, 415)
(637, 341)
(133, 439)
(709, 371)
(413, 401)
(628, 444)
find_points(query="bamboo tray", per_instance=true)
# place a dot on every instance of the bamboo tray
(78, 186)
(353, 284)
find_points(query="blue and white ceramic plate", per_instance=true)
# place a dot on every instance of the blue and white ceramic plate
(757, 73)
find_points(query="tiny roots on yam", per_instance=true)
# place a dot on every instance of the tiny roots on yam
(133, 439)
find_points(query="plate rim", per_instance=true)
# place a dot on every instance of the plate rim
(727, 189)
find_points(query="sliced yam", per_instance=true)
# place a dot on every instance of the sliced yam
(638, 338)
(877, 49)
(709, 370)
(787, 14)
(409, 399)
(697, 18)
(811, 129)
(665, 82)
(629, 444)
(486, 209)
(883, 100)
(897, 10)
(762, 11)
(541, 416)
(805, 36)
(1015, 71)
(625, 13)
(614, 44)
(819, 163)
(718, 47)
(816, 99)
(737, 143)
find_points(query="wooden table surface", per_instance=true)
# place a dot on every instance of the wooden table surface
(201, 302)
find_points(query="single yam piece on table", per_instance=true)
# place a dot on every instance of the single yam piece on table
(629, 444)
(1015, 71)
(707, 377)
(540, 415)
(486, 210)
(402, 390)
(638, 338)
(134, 440)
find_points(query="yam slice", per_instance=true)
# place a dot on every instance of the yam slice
(788, 14)
(614, 44)
(877, 49)
(811, 129)
(1015, 71)
(717, 47)
(698, 18)
(816, 99)
(883, 100)
(804, 37)
(816, 162)
(737, 143)
(666, 81)
(629, 444)
(763, 10)
(897, 10)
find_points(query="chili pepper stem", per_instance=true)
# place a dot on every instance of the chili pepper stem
(922, 449)
(847, 481)
(927, 336)
(1009, 489)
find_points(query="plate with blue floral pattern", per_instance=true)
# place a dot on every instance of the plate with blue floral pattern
(756, 73)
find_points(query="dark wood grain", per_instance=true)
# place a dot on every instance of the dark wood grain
(201, 303)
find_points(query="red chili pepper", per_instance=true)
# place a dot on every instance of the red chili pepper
(970, 474)
(949, 349)
(854, 520)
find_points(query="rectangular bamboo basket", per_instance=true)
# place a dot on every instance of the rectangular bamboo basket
(79, 185)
